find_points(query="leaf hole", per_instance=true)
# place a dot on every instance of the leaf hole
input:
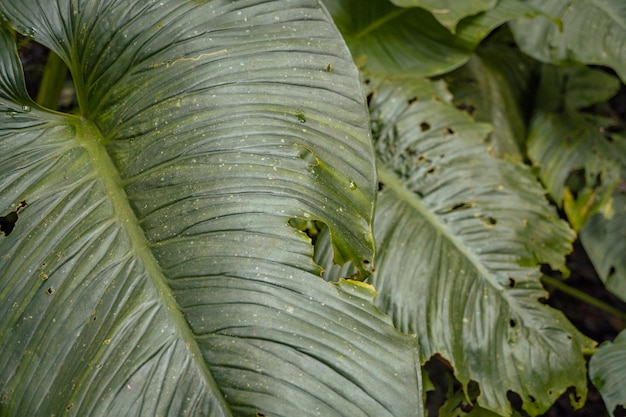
(381, 186)
(514, 399)
(460, 206)
(50, 290)
(511, 282)
(32, 54)
(619, 411)
(7, 223)
(490, 221)
(424, 126)
(412, 100)
(512, 323)
(611, 271)
(470, 109)
(311, 228)
(576, 181)
(449, 131)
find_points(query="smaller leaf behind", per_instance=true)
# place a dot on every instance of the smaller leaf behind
(459, 236)
(411, 40)
(395, 40)
(578, 161)
(592, 32)
(607, 370)
(449, 12)
(605, 243)
(494, 87)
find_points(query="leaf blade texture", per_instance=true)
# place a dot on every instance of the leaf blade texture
(155, 271)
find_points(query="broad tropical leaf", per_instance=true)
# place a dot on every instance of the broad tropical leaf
(410, 41)
(152, 270)
(573, 87)
(395, 40)
(604, 240)
(591, 32)
(582, 162)
(449, 12)
(494, 87)
(579, 159)
(460, 234)
(607, 370)
(580, 181)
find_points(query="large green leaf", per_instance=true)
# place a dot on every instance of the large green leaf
(459, 235)
(494, 87)
(604, 240)
(395, 40)
(154, 271)
(449, 12)
(591, 31)
(411, 41)
(607, 370)
(580, 161)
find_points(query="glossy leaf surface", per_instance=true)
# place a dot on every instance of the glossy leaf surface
(590, 31)
(460, 235)
(154, 271)
(493, 87)
(604, 240)
(607, 370)
(396, 41)
(449, 12)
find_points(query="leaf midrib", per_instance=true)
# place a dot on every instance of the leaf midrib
(107, 172)
(392, 182)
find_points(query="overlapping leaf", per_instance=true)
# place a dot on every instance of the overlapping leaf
(604, 240)
(607, 370)
(591, 32)
(411, 41)
(493, 87)
(459, 235)
(449, 12)
(153, 271)
(579, 158)
(395, 40)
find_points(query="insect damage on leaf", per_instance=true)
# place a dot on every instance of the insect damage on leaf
(7, 223)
